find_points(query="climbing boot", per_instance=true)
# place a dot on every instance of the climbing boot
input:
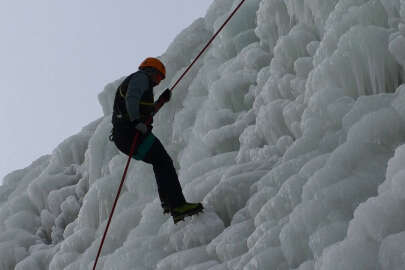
(186, 210)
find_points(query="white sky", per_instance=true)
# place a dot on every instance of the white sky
(56, 56)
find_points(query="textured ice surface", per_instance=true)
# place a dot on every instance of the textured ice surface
(290, 130)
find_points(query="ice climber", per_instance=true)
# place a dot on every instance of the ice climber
(133, 105)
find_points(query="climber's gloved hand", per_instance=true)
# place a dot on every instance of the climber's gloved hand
(165, 96)
(141, 127)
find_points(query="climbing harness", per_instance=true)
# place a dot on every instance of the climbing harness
(149, 121)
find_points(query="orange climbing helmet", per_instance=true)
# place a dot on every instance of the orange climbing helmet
(154, 63)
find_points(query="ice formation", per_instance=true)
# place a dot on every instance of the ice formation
(291, 131)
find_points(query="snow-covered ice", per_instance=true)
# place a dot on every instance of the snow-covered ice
(290, 130)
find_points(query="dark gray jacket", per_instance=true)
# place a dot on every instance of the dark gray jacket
(138, 85)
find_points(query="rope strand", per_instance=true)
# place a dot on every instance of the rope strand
(208, 44)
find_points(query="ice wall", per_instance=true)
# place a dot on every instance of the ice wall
(290, 130)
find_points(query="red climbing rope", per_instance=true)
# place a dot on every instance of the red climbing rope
(208, 43)
(135, 141)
